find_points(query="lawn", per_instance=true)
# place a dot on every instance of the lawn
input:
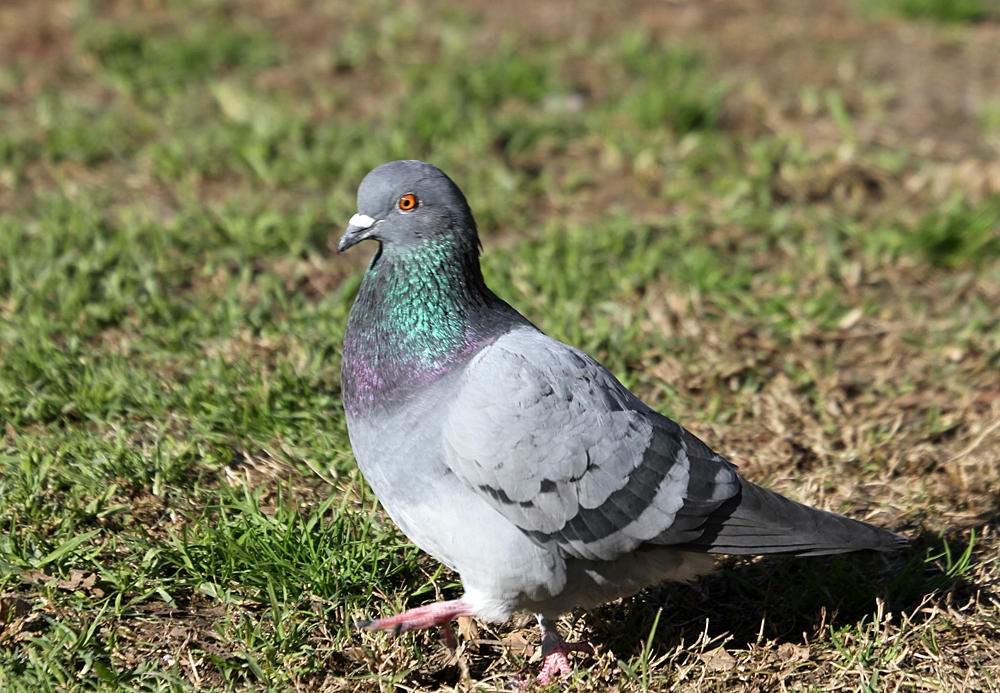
(777, 222)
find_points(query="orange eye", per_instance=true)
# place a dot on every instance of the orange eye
(408, 202)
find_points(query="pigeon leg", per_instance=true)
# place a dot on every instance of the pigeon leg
(554, 651)
(422, 617)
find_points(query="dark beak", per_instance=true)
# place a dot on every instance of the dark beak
(359, 228)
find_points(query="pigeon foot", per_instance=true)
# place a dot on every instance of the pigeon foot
(554, 651)
(436, 614)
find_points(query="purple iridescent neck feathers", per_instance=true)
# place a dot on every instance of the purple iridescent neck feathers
(416, 318)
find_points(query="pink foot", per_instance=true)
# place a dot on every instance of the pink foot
(436, 614)
(554, 651)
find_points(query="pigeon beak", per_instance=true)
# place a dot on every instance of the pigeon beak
(358, 229)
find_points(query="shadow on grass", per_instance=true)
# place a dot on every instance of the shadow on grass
(793, 600)
(771, 599)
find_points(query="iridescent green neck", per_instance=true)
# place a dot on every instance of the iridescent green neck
(419, 313)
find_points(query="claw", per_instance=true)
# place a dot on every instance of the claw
(554, 651)
(448, 636)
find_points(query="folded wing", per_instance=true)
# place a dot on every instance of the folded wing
(564, 451)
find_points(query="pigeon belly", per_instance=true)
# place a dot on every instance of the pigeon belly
(401, 458)
(592, 583)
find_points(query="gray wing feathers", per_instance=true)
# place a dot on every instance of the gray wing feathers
(713, 482)
(561, 449)
(566, 453)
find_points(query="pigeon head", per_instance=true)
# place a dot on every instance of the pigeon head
(422, 308)
(406, 204)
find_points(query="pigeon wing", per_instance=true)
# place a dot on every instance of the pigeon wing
(563, 450)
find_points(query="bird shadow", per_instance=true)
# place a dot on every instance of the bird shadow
(769, 599)
(792, 600)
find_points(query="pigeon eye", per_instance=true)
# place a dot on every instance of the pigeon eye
(407, 202)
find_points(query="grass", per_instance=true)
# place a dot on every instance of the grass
(753, 250)
(943, 10)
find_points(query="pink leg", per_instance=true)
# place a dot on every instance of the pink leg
(422, 617)
(554, 651)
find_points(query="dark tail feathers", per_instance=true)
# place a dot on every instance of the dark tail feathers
(759, 521)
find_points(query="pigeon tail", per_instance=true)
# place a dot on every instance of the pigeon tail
(759, 521)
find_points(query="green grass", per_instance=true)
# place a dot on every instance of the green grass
(943, 10)
(179, 505)
(262, 570)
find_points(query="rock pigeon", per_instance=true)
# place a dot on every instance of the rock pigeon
(520, 462)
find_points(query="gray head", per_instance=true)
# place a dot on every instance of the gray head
(405, 203)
